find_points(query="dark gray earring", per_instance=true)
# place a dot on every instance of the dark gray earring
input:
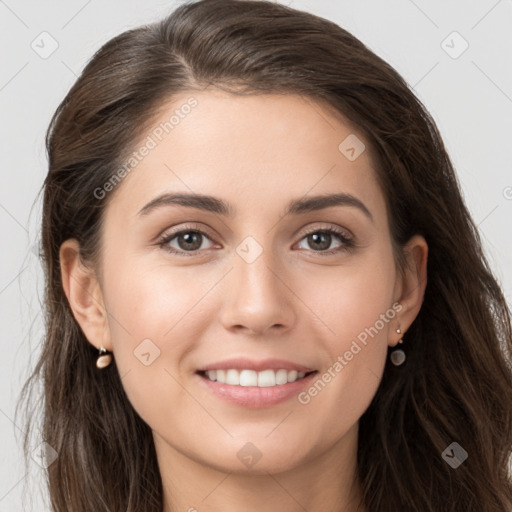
(398, 356)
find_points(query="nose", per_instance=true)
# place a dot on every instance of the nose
(259, 300)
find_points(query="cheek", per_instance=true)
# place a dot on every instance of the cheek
(153, 301)
(351, 298)
(153, 327)
(148, 307)
(357, 313)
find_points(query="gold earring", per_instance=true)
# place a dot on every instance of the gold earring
(104, 358)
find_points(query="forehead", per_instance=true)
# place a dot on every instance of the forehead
(255, 151)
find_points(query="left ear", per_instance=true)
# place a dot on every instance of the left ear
(410, 288)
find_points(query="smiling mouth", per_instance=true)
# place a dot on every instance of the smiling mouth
(252, 378)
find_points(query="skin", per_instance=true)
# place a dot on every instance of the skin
(257, 153)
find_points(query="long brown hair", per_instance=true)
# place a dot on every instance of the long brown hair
(456, 385)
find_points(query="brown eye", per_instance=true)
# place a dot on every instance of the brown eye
(187, 242)
(319, 240)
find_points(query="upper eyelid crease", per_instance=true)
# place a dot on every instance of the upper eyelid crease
(221, 207)
(194, 227)
(334, 230)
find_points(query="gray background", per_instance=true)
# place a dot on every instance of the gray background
(469, 96)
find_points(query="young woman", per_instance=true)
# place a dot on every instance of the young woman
(264, 290)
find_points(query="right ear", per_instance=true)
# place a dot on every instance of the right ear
(84, 295)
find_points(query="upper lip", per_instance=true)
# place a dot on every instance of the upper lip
(242, 363)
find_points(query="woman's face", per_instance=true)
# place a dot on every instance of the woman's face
(259, 284)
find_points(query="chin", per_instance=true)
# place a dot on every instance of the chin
(256, 457)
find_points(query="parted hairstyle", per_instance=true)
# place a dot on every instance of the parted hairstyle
(456, 385)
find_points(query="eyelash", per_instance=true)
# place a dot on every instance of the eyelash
(348, 243)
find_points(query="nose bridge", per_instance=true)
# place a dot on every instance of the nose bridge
(256, 296)
(257, 275)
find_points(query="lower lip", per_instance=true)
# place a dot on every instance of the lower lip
(254, 397)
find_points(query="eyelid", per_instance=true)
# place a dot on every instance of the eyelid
(347, 238)
(186, 227)
(327, 226)
(348, 241)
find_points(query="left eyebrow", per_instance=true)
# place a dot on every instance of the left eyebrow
(215, 205)
(314, 203)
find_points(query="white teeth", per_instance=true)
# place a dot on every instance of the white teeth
(232, 377)
(266, 378)
(292, 375)
(281, 377)
(263, 379)
(248, 378)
